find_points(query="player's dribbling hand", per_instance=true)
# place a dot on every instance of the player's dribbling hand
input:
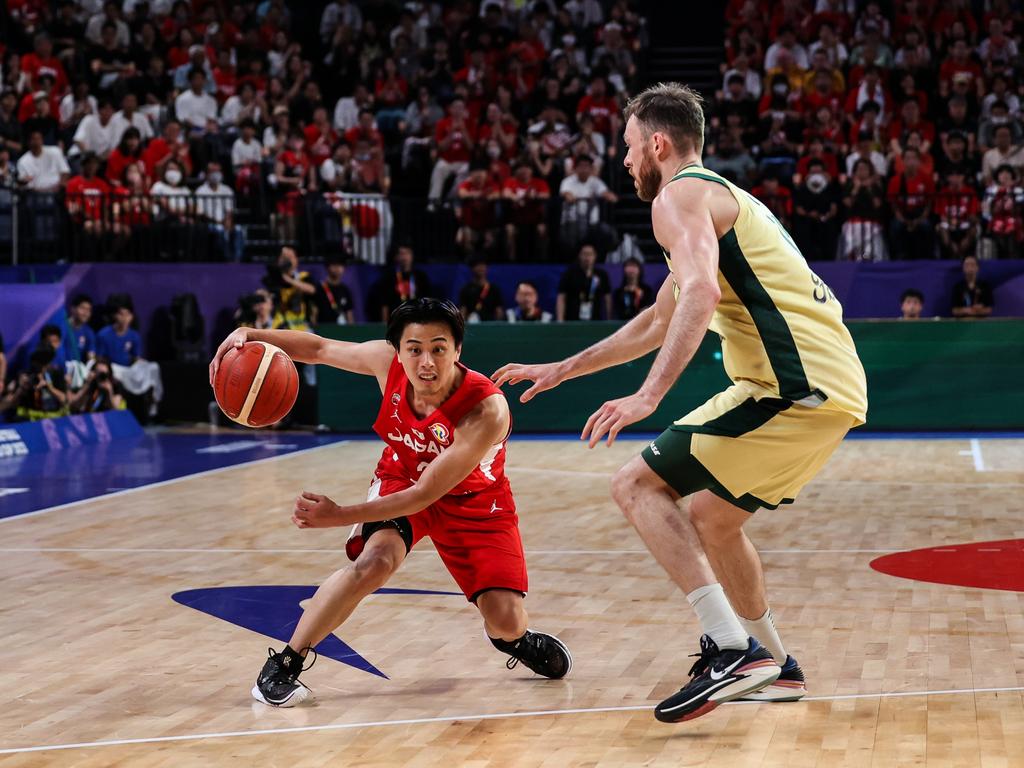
(614, 415)
(544, 376)
(313, 510)
(236, 339)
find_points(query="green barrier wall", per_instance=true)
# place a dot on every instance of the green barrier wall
(926, 375)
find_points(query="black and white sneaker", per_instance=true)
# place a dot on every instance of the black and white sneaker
(278, 683)
(544, 654)
(719, 676)
(789, 687)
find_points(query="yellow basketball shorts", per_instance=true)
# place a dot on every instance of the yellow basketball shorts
(748, 447)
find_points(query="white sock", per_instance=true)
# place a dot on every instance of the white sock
(763, 629)
(717, 618)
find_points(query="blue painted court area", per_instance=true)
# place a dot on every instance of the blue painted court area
(33, 482)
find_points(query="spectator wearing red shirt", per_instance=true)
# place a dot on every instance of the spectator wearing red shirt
(822, 94)
(601, 107)
(957, 209)
(911, 200)
(170, 146)
(816, 152)
(47, 92)
(365, 129)
(128, 151)
(41, 61)
(870, 88)
(293, 175)
(86, 196)
(501, 128)
(776, 197)
(1003, 210)
(526, 198)
(910, 120)
(320, 137)
(391, 93)
(225, 77)
(455, 136)
(477, 195)
(959, 62)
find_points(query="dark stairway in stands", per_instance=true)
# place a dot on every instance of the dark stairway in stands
(688, 50)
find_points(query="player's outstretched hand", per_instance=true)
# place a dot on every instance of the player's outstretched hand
(614, 415)
(544, 376)
(236, 338)
(313, 510)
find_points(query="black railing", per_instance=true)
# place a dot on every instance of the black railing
(40, 227)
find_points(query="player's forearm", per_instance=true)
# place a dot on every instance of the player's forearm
(635, 339)
(401, 504)
(685, 333)
(300, 346)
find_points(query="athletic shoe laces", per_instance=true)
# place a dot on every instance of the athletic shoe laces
(708, 651)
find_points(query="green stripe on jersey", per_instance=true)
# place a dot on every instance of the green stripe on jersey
(772, 327)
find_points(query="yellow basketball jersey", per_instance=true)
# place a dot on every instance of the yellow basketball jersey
(781, 327)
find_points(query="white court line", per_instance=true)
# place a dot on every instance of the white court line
(172, 480)
(460, 718)
(338, 550)
(975, 453)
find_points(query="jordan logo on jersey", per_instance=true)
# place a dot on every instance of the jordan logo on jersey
(440, 431)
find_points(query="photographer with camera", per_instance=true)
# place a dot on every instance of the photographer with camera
(292, 290)
(37, 393)
(100, 392)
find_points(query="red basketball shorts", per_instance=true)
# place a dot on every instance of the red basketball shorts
(477, 536)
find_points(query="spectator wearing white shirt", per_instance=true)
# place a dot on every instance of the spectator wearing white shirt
(75, 105)
(173, 211)
(340, 13)
(582, 194)
(215, 205)
(195, 108)
(182, 76)
(111, 14)
(247, 149)
(130, 117)
(787, 41)
(96, 132)
(42, 168)
(865, 151)
(244, 105)
(336, 171)
(346, 111)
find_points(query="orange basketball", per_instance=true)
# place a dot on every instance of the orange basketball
(256, 384)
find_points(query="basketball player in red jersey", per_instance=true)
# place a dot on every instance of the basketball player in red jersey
(441, 475)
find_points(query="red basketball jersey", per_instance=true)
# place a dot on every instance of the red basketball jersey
(412, 443)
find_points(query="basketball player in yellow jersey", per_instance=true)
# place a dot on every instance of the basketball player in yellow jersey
(798, 387)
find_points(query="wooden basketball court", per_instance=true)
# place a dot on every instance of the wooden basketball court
(102, 667)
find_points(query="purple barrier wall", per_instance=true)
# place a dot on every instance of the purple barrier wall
(866, 290)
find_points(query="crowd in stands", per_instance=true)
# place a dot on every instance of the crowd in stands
(153, 119)
(877, 130)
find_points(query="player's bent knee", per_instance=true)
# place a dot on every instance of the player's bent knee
(630, 482)
(374, 568)
(708, 520)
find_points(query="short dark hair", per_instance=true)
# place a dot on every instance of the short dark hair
(912, 293)
(425, 311)
(672, 108)
(49, 330)
(81, 298)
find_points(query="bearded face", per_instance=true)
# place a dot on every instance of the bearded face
(648, 176)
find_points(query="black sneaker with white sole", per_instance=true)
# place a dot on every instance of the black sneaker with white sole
(719, 676)
(544, 654)
(278, 682)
